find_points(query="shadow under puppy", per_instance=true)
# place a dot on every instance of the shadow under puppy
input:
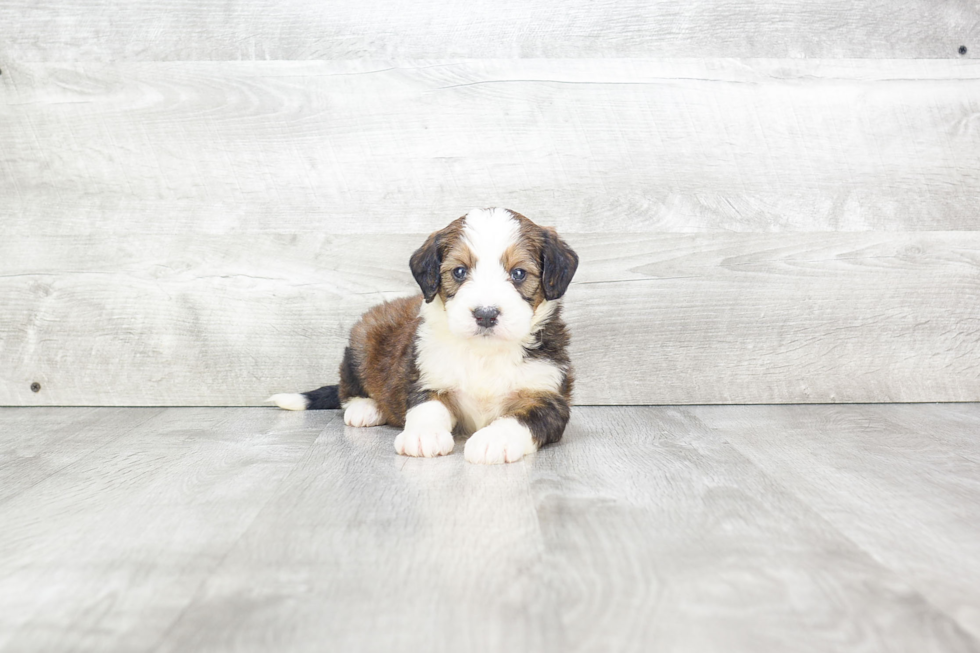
(482, 351)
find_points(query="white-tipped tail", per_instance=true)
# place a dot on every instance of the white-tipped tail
(289, 401)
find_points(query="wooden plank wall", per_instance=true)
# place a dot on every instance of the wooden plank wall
(774, 202)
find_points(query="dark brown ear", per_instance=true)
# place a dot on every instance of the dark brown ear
(558, 264)
(425, 263)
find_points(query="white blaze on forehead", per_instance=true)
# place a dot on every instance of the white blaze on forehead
(488, 233)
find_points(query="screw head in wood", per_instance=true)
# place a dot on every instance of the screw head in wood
(962, 49)
(35, 387)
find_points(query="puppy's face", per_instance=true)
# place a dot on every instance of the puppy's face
(494, 271)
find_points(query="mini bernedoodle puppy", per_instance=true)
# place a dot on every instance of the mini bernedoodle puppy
(485, 353)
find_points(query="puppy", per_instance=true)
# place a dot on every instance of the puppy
(482, 351)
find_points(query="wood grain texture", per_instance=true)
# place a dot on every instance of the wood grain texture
(104, 554)
(660, 535)
(954, 425)
(369, 551)
(645, 529)
(36, 445)
(100, 30)
(683, 319)
(590, 145)
(854, 463)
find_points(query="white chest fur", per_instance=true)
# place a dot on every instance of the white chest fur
(481, 373)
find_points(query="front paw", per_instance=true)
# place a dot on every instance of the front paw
(427, 442)
(504, 441)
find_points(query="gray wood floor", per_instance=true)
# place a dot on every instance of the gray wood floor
(748, 528)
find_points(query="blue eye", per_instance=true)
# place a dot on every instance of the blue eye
(518, 274)
(459, 273)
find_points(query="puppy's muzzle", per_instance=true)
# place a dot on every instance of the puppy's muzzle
(486, 316)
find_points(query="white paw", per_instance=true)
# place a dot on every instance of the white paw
(424, 442)
(505, 440)
(361, 411)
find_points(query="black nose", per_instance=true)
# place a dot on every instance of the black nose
(486, 316)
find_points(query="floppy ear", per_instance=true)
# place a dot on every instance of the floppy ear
(425, 264)
(558, 264)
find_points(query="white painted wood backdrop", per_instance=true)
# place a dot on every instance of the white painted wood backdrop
(774, 202)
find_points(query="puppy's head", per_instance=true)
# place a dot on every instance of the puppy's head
(495, 272)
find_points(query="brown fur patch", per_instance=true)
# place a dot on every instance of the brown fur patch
(528, 253)
(458, 254)
(383, 347)
(525, 255)
(544, 413)
(426, 261)
(557, 260)
(522, 255)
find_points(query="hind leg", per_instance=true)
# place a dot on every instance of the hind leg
(359, 409)
(362, 411)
